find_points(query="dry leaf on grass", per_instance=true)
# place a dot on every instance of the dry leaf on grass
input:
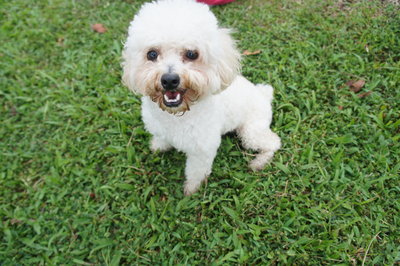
(164, 198)
(199, 217)
(13, 111)
(355, 85)
(15, 221)
(247, 52)
(98, 27)
(60, 41)
(364, 94)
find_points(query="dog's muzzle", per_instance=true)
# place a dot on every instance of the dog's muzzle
(172, 95)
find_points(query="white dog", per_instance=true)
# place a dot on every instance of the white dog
(187, 70)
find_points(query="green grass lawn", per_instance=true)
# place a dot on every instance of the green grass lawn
(79, 185)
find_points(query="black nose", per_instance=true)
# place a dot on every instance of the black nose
(170, 81)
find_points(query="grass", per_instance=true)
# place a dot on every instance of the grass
(79, 185)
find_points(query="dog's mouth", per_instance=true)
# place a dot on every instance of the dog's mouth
(173, 98)
(175, 101)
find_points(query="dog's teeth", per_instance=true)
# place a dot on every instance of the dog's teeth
(168, 100)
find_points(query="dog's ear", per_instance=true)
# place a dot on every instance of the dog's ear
(127, 72)
(228, 62)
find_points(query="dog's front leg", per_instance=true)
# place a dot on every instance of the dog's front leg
(198, 167)
(159, 144)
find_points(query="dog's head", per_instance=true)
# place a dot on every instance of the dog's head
(177, 55)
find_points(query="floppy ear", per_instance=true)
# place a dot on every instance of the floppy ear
(228, 61)
(128, 72)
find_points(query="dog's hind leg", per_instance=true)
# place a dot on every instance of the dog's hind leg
(257, 136)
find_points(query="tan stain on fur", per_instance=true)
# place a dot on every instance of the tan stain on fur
(192, 90)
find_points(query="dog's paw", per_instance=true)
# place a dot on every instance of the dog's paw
(275, 141)
(191, 187)
(261, 160)
(256, 165)
(158, 144)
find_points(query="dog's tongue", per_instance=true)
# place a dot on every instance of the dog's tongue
(172, 94)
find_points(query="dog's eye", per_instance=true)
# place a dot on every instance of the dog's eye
(191, 55)
(152, 55)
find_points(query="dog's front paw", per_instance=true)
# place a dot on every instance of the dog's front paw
(158, 144)
(191, 187)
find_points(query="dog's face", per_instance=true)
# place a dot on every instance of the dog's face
(174, 76)
(177, 55)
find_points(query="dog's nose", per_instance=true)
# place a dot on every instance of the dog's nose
(170, 81)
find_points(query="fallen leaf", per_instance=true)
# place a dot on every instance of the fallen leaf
(364, 94)
(60, 41)
(358, 84)
(99, 28)
(350, 82)
(247, 52)
(13, 111)
(355, 85)
(164, 198)
(15, 221)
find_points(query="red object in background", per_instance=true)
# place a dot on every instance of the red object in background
(215, 2)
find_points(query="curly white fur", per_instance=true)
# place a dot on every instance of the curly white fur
(211, 98)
